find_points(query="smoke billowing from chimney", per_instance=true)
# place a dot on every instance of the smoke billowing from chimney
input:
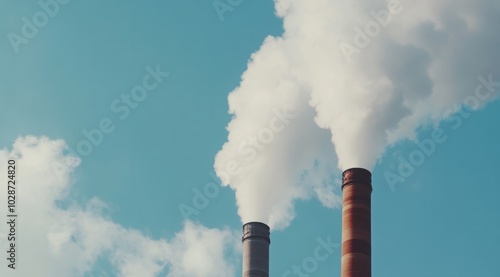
(256, 241)
(410, 62)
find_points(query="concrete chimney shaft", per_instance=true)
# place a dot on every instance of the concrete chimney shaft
(256, 241)
(356, 223)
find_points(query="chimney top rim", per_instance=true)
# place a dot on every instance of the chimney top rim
(358, 169)
(256, 223)
(356, 175)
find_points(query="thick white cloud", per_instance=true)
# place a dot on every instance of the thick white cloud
(56, 241)
(425, 60)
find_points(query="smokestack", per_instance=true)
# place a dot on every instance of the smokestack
(356, 223)
(256, 241)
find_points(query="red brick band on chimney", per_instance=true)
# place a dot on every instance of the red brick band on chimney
(356, 223)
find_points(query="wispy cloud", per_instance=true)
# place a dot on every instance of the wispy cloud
(56, 241)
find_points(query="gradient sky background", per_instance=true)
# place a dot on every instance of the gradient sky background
(443, 220)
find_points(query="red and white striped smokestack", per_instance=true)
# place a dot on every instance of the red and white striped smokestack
(356, 223)
(256, 241)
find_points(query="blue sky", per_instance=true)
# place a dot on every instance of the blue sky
(441, 220)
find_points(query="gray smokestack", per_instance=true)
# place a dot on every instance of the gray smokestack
(256, 241)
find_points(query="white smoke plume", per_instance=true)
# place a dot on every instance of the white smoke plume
(370, 72)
